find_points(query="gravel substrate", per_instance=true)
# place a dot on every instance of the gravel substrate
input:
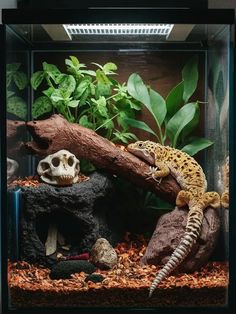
(126, 285)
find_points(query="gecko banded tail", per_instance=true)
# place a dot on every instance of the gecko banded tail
(193, 228)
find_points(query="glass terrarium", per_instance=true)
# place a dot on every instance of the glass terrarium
(115, 145)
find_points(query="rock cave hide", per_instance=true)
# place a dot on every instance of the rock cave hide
(80, 213)
(170, 229)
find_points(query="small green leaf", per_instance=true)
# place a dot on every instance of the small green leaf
(102, 90)
(174, 100)
(84, 97)
(48, 92)
(85, 122)
(73, 103)
(196, 145)
(139, 125)
(41, 106)
(158, 106)
(47, 67)
(177, 123)
(109, 67)
(37, 79)
(101, 106)
(190, 77)
(83, 85)
(17, 106)
(20, 79)
(138, 90)
(102, 78)
(88, 72)
(75, 61)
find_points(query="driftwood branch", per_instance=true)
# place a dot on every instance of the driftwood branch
(56, 133)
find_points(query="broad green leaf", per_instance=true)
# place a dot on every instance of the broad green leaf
(190, 77)
(37, 79)
(48, 92)
(139, 125)
(84, 97)
(158, 106)
(174, 100)
(17, 106)
(102, 78)
(192, 124)
(196, 145)
(41, 106)
(177, 123)
(67, 85)
(102, 90)
(47, 67)
(57, 95)
(121, 119)
(83, 85)
(13, 67)
(85, 122)
(73, 103)
(138, 90)
(134, 104)
(20, 79)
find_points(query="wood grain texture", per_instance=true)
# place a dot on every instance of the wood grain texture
(55, 133)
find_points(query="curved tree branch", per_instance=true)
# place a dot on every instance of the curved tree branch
(56, 133)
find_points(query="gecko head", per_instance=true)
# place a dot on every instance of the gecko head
(145, 150)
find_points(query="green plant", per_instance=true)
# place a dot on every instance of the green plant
(175, 117)
(15, 78)
(91, 98)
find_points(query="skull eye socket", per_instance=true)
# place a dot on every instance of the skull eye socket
(77, 167)
(71, 161)
(55, 161)
(44, 166)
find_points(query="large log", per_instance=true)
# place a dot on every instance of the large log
(56, 133)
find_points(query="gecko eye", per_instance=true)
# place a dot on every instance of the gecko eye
(140, 144)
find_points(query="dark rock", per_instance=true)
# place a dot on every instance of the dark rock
(168, 233)
(64, 269)
(94, 278)
(81, 213)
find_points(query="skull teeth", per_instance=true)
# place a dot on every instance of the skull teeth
(65, 179)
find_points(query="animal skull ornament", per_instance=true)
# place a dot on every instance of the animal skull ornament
(12, 167)
(61, 168)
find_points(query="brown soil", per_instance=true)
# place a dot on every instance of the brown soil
(126, 285)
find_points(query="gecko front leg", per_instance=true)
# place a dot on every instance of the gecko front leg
(160, 171)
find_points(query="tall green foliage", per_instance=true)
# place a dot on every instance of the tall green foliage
(175, 117)
(92, 98)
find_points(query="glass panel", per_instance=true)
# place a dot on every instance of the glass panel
(164, 83)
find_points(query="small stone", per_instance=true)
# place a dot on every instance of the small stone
(64, 269)
(103, 254)
(94, 278)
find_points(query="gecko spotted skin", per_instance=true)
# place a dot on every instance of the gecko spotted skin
(191, 178)
(225, 194)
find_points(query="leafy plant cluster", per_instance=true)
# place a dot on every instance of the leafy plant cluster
(175, 117)
(91, 98)
(15, 78)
